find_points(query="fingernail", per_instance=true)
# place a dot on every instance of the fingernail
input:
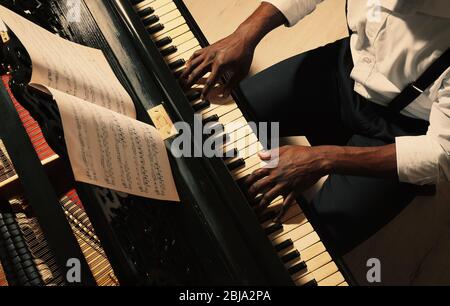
(264, 154)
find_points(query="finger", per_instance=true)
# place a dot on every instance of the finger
(256, 176)
(190, 66)
(265, 155)
(288, 202)
(212, 80)
(260, 187)
(198, 73)
(271, 195)
(196, 54)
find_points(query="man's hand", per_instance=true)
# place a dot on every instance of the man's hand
(299, 168)
(233, 55)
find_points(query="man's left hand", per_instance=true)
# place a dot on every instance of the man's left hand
(298, 169)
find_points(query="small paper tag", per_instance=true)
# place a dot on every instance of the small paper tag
(162, 122)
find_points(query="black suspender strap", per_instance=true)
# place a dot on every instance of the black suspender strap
(414, 90)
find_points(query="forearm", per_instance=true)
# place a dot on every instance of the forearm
(265, 19)
(360, 161)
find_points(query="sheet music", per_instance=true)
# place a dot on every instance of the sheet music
(111, 150)
(107, 147)
(71, 68)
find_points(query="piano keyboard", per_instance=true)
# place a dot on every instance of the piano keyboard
(298, 245)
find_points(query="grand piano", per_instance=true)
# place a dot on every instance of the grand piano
(213, 237)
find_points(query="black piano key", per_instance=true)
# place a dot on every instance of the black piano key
(146, 11)
(169, 50)
(297, 268)
(201, 105)
(211, 119)
(273, 229)
(156, 28)
(135, 2)
(284, 245)
(268, 216)
(230, 154)
(311, 283)
(177, 64)
(152, 19)
(194, 95)
(290, 256)
(239, 163)
(177, 74)
(163, 41)
(256, 201)
(224, 138)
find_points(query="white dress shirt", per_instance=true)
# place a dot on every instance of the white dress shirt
(392, 43)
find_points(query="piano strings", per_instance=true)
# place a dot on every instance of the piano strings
(3, 281)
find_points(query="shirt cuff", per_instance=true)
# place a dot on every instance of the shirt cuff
(294, 10)
(418, 160)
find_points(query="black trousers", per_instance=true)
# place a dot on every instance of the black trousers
(312, 94)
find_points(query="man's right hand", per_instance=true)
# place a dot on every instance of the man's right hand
(231, 56)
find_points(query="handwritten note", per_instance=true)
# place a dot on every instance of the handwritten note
(71, 68)
(114, 151)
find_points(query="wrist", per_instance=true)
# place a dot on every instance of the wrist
(248, 35)
(327, 158)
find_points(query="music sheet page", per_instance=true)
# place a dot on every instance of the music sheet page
(111, 150)
(107, 146)
(69, 67)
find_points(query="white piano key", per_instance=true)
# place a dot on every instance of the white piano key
(169, 26)
(165, 19)
(289, 226)
(186, 55)
(302, 243)
(183, 48)
(219, 111)
(292, 212)
(319, 274)
(297, 234)
(333, 280)
(155, 4)
(182, 39)
(166, 9)
(307, 256)
(314, 264)
(249, 163)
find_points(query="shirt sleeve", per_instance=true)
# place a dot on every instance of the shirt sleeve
(424, 160)
(294, 10)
